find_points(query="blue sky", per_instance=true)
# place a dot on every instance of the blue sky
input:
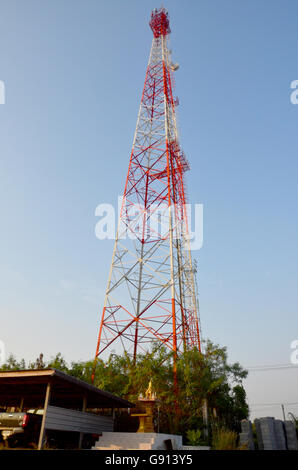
(73, 72)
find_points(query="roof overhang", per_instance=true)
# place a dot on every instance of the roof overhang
(67, 391)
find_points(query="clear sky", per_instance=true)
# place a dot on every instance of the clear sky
(73, 72)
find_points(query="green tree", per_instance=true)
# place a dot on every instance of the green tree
(58, 362)
(13, 364)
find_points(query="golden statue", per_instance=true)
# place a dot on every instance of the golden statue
(145, 414)
(148, 393)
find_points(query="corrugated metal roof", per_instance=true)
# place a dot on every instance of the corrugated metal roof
(66, 390)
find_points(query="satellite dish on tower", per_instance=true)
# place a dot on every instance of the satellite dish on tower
(174, 67)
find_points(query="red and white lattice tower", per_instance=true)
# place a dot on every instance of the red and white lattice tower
(151, 292)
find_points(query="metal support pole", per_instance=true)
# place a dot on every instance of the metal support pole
(113, 417)
(42, 430)
(22, 404)
(81, 433)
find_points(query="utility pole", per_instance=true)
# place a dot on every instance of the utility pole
(283, 412)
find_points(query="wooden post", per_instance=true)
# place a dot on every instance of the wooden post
(46, 403)
(81, 433)
(21, 404)
(113, 417)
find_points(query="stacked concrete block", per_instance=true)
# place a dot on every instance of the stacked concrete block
(280, 435)
(291, 436)
(259, 434)
(246, 436)
(268, 433)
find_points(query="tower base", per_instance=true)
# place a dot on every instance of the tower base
(137, 441)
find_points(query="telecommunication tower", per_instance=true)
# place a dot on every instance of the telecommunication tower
(151, 290)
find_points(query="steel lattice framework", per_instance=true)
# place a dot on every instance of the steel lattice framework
(151, 293)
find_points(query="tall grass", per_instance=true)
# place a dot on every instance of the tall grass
(224, 439)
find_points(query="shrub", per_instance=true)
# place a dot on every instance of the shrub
(224, 439)
(194, 437)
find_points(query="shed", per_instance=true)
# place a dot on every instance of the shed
(63, 398)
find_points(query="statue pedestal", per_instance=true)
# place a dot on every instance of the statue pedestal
(146, 417)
